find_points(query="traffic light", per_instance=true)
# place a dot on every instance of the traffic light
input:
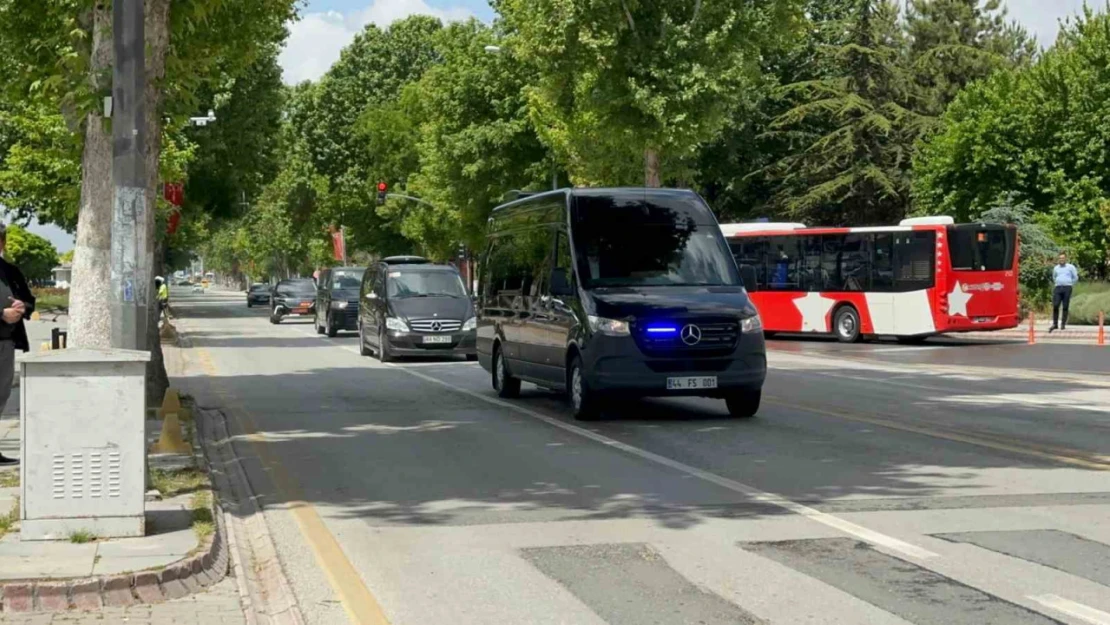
(382, 188)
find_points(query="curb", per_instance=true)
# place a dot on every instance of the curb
(177, 580)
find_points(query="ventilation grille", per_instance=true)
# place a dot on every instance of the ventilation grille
(83, 474)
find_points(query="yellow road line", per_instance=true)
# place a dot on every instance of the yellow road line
(361, 606)
(1065, 456)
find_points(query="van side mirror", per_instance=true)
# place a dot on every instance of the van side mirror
(560, 283)
(747, 275)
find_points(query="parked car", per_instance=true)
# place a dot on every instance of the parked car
(258, 293)
(410, 307)
(295, 297)
(609, 292)
(337, 299)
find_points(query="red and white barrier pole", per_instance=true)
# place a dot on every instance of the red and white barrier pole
(1032, 333)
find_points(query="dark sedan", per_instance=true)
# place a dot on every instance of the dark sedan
(293, 298)
(258, 294)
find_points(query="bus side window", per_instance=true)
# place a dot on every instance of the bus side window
(782, 263)
(913, 255)
(854, 263)
(882, 262)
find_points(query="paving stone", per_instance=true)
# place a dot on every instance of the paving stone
(117, 591)
(147, 589)
(86, 594)
(18, 598)
(53, 596)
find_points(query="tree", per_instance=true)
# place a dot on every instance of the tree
(66, 258)
(461, 138)
(850, 134)
(626, 90)
(955, 42)
(1039, 133)
(34, 255)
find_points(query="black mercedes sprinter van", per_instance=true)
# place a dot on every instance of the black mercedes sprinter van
(617, 292)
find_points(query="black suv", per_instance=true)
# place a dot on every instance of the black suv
(603, 292)
(292, 297)
(337, 299)
(410, 307)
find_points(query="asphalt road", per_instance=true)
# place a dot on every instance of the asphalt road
(878, 485)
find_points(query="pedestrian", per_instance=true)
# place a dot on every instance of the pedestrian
(163, 296)
(1064, 275)
(18, 305)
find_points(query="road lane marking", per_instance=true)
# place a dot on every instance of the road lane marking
(1085, 613)
(1066, 456)
(866, 535)
(358, 602)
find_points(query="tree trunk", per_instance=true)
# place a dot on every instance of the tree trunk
(651, 168)
(156, 23)
(90, 324)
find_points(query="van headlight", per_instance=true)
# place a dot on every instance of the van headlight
(470, 324)
(338, 305)
(395, 324)
(611, 327)
(751, 324)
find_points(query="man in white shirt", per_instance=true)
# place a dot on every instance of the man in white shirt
(1064, 276)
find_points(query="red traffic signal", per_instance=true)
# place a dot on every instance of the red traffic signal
(382, 187)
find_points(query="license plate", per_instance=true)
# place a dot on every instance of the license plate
(300, 311)
(436, 339)
(983, 319)
(691, 383)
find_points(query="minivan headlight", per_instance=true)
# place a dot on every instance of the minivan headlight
(470, 324)
(395, 324)
(611, 327)
(751, 324)
(338, 305)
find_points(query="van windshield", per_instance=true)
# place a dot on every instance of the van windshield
(646, 241)
(424, 284)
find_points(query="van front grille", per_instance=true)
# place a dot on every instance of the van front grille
(435, 325)
(715, 337)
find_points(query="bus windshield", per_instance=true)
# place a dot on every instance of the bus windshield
(647, 241)
(981, 247)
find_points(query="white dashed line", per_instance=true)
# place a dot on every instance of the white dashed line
(1085, 613)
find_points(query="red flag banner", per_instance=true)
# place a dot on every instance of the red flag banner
(339, 246)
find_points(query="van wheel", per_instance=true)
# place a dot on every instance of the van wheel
(846, 325)
(275, 316)
(363, 350)
(504, 383)
(743, 404)
(585, 404)
(384, 354)
(328, 329)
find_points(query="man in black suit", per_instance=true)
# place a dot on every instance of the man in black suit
(18, 304)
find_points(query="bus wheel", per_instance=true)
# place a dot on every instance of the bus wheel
(846, 324)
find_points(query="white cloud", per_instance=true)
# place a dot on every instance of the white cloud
(316, 40)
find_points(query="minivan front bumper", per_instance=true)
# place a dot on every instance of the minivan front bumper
(412, 344)
(617, 365)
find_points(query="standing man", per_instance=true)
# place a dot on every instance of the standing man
(163, 296)
(1064, 275)
(18, 304)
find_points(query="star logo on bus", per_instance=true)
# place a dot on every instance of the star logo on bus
(815, 312)
(958, 299)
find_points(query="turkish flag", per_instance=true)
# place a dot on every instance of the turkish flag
(339, 246)
(174, 222)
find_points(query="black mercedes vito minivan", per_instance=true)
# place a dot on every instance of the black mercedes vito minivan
(608, 292)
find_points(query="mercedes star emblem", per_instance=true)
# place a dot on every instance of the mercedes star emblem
(691, 335)
(437, 326)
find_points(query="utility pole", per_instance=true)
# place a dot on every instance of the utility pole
(129, 272)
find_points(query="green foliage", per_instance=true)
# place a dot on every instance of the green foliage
(40, 170)
(955, 42)
(618, 80)
(850, 134)
(34, 255)
(51, 299)
(1088, 301)
(1040, 133)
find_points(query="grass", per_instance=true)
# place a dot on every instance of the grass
(204, 524)
(7, 520)
(81, 537)
(51, 299)
(1087, 300)
(179, 481)
(9, 479)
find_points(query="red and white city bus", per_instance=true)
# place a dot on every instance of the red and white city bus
(923, 277)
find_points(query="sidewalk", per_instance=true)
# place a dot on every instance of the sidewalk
(170, 539)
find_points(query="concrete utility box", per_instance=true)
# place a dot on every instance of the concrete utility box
(83, 415)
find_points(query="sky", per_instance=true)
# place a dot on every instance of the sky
(326, 26)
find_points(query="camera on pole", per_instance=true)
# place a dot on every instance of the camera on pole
(382, 188)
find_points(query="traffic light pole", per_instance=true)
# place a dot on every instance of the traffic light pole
(129, 267)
